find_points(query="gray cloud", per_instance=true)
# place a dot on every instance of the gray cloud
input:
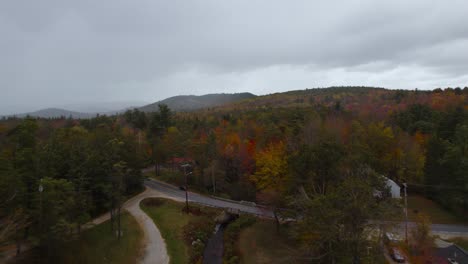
(59, 52)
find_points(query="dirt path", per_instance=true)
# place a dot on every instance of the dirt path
(155, 251)
(155, 248)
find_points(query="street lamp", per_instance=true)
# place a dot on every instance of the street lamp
(186, 185)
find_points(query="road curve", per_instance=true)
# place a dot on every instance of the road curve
(173, 192)
(155, 251)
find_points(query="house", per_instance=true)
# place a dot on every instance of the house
(392, 186)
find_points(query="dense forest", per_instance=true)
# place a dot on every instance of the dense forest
(317, 155)
(56, 175)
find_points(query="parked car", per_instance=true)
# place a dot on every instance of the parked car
(396, 255)
(452, 261)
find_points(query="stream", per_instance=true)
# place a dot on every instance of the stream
(213, 253)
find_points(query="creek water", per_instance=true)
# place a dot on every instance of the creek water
(214, 249)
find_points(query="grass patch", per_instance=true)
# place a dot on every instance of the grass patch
(460, 241)
(420, 205)
(260, 243)
(96, 245)
(176, 227)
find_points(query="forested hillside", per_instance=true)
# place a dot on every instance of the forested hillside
(316, 150)
(321, 154)
(193, 102)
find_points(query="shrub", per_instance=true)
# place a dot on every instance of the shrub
(196, 234)
(231, 235)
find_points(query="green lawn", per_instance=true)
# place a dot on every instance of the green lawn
(260, 243)
(171, 220)
(97, 245)
(438, 215)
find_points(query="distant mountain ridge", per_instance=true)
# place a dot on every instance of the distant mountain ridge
(55, 113)
(80, 110)
(195, 102)
(60, 112)
(176, 103)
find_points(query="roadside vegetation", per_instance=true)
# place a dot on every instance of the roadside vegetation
(419, 205)
(96, 245)
(255, 245)
(232, 253)
(185, 234)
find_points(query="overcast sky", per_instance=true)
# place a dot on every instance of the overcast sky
(54, 53)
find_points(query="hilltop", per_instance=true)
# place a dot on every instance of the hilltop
(194, 102)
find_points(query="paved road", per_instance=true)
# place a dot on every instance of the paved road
(174, 192)
(442, 230)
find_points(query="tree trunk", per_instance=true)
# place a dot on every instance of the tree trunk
(26, 233)
(18, 241)
(112, 219)
(118, 223)
(275, 213)
(331, 253)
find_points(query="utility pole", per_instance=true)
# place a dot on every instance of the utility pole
(41, 189)
(186, 186)
(406, 214)
(139, 141)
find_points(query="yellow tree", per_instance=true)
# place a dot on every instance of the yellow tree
(271, 176)
(271, 168)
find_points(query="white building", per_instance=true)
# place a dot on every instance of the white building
(394, 188)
